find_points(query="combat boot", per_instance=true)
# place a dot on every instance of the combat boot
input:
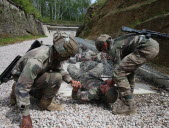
(12, 95)
(48, 104)
(127, 109)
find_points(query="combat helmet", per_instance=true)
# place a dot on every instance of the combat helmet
(111, 95)
(65, 45)
(100, 41)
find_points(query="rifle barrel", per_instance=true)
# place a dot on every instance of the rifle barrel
(153, 34)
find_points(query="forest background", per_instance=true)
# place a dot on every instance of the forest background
(57, 11)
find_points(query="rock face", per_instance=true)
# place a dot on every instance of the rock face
(15, 22)
(139, 14)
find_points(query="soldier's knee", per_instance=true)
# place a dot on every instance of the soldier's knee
(118, 75)
(55, 79)
(121, 79)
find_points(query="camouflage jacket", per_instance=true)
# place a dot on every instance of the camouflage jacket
(127, 44)
(32, 65)
(90, 85)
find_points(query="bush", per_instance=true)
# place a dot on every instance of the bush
(27, 7)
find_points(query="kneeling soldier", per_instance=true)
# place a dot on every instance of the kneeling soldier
(39, 73)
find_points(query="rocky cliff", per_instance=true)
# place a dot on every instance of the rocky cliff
(139, 14)
(15, 22)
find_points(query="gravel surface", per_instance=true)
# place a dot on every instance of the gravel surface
(153, 109)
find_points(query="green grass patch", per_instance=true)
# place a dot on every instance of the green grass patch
(12, 40)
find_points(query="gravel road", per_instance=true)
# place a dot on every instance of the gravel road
(153, 109)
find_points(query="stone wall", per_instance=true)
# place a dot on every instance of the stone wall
(15, 22)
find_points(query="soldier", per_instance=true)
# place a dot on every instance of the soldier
(92, 87)
(39, 74)
(128, 53)
(85, 54)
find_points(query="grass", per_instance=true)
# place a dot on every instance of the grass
(12, 40)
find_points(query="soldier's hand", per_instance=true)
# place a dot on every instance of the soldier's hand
(76, 85)
(26, 122)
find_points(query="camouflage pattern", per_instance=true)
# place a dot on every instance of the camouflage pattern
(128, 54)
(64, 44)
(37, 71)
(90, 83)
(86, 55)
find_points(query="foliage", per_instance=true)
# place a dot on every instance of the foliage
(12, 40)
(28, 7)
(100, 2)
(56, 10)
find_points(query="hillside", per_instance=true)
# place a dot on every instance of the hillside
(147, 14)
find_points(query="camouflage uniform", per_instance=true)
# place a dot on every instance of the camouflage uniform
(129, 53)
(85, 54)
(90, 83)
(37, 74)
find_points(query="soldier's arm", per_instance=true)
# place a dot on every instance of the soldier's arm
(65, 76)
(24, 83)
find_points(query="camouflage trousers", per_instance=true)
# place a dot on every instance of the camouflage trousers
(124, 72)
(46, 85)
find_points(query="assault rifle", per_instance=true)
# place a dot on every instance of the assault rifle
(7, 73)
(147, 33)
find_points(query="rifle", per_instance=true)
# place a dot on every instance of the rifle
(147, 33)
(7, 73)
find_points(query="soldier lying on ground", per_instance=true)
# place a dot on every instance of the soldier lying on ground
(91, 87)
(39, 74)
(128, 53)
(84, 54)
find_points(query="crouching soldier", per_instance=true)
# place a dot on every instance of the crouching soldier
(39, 74)
(91, 87)
(128, 53)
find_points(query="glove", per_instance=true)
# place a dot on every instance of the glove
(26, 122)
